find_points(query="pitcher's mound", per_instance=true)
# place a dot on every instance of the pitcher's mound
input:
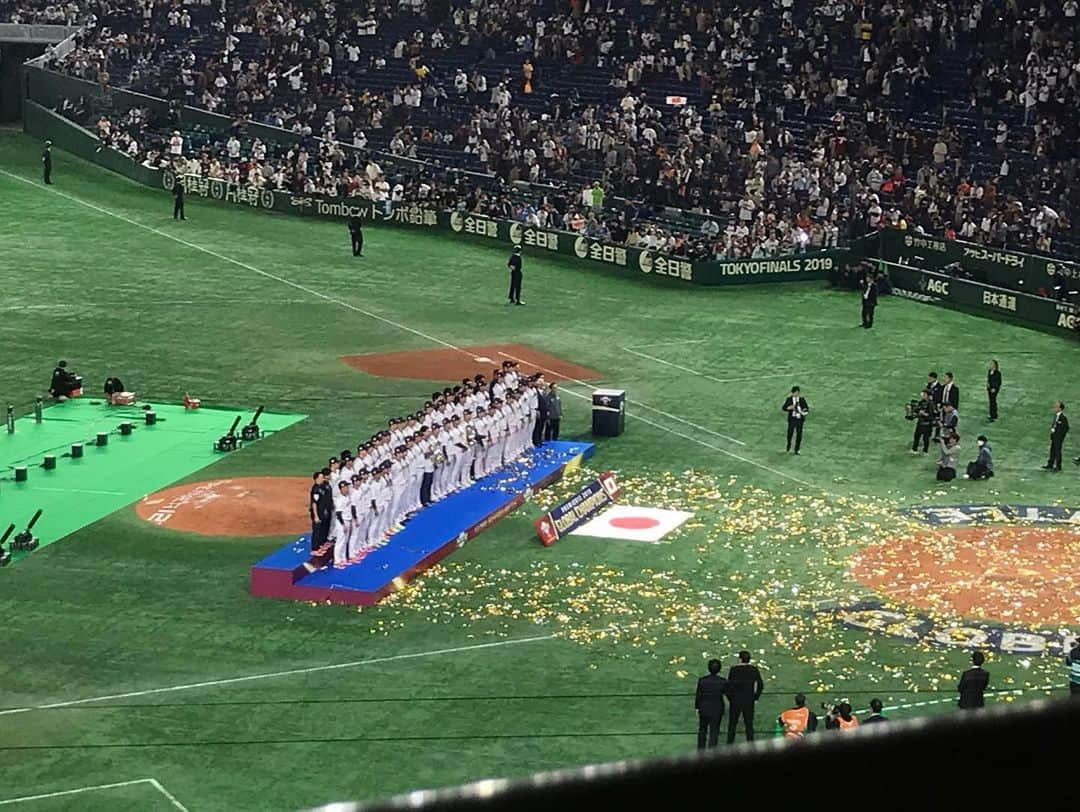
(454, 364)
(244, 506)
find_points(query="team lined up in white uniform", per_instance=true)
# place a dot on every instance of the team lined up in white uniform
(462, 435)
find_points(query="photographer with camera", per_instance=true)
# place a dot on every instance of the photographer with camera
(840, 717)
(922, 411)
(796, 722)
(950, 451)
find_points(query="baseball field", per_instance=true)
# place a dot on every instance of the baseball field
(138, 672)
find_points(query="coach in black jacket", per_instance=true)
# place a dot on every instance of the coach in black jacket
(709, 703)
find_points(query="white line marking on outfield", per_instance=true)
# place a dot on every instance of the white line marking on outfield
(635, 402)
(397, 324)
(705, 375)
(662, 343)
(275, 674)
(670, 430)
(76, 490)
(153, 782)
(239, 264)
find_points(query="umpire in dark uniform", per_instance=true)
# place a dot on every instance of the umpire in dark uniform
(514, 264)
(1058, 429)
(178, 199)
(356, 232)
(796, 408)
(869, 300)
(709, 703)
(46, 162)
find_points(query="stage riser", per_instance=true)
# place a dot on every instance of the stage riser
(426, 540)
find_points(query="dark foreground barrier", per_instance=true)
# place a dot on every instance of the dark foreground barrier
(975, 759)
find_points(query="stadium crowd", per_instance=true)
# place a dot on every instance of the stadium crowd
(795, 124)
(461, 435)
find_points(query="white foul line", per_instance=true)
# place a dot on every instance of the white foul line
(669, 430)
(671, 343)
(399, 325)
(704, 375)
(79, 790)
(238, 263)
(275, 674)
(635, 402)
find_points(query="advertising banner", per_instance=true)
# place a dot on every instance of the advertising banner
(927, 286)
(793, 268)
(991, 266)
(578, 509)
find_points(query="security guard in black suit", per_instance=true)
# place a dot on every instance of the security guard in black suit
(514, 264)
(356, 232)
(178, 199)
(46, 162)
(973, 683)
(1058, 429)
(744, 689)
(869, 300)
(993, 387)
(709, 703)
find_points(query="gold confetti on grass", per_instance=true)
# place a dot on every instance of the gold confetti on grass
(752, 568)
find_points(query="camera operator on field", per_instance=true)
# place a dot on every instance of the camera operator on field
(923, 412)
(839, 717)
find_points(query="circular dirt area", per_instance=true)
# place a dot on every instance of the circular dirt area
(1016, 574)
(244, 506)
(447, 364)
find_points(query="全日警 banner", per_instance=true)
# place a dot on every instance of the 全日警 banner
(578, 509)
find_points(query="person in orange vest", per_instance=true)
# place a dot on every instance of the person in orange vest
(798, 721)
(841, 718)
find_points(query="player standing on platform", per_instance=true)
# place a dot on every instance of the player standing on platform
(343, 525)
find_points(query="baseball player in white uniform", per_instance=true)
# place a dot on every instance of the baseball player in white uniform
(343, 525)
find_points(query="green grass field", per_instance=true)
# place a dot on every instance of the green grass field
(509, 658)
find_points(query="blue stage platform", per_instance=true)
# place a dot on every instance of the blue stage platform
(293, 573)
